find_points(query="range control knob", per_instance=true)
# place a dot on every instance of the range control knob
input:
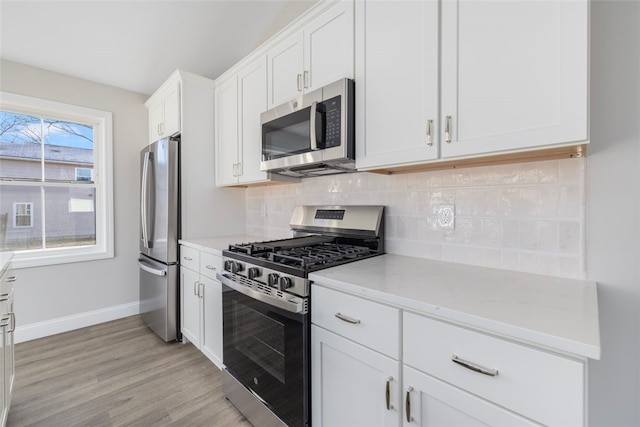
(227, 265)
(236, 267)
(253, 272)
(272, 279)
(285, 283)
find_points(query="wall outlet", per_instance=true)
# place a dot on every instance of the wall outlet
(446, 217)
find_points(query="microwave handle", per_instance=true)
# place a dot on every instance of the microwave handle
(312, 125)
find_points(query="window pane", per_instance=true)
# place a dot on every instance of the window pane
(20, 218)
(20, 148)
(70, 218)
(67, 147)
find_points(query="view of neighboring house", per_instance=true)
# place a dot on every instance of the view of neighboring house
(66, 205)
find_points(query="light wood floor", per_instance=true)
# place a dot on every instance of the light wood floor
(117, 374)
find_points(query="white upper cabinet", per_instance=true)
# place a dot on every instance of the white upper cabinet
(164, 113)
(252, 95)
(226, 131)
(240, 99)
(285, 70)
(396, 82)
(320, 53)
(514, 75)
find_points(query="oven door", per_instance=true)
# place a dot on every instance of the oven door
(267, 349)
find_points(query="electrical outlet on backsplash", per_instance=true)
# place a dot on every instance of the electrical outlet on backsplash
(527, 217)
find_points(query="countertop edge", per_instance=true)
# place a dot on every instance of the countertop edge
(500, 329)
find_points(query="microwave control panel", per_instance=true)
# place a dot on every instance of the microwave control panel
(333, 120)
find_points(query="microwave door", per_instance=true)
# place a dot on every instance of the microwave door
(286, 136)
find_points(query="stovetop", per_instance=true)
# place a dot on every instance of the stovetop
(303, 254)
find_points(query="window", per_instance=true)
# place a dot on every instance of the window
(84, 174)
(56, 177)
(22, 215)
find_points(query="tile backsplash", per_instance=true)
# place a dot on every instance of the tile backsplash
(526, 217)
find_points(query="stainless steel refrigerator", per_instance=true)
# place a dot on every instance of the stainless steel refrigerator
(159, 234)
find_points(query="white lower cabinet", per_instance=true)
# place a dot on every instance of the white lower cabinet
(7, 328)
(429, 402)
(201, 302)
(440, 375)
(350, 383)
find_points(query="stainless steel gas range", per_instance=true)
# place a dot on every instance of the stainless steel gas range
(267, 324)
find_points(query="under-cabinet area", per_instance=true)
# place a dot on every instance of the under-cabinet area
(430, 343)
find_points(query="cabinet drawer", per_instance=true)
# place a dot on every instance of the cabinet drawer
(189, 258)
(376, 326)
(210, 264)
(545, 387)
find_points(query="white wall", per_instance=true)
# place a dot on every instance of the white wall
(107, 288)
(613, 210)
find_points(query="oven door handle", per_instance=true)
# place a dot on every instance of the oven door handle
(293, 305)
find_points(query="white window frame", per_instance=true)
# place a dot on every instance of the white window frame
(102, 122)
(15, 215)
(84, 169)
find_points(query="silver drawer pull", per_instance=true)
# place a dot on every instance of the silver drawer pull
(188, 258)
(210, 267)
(4, 297)
(474, 367)
(347, 319)
(11, 279)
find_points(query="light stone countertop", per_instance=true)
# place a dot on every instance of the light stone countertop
(555, 313)
(215, 245)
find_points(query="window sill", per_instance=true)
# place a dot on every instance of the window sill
(55, 257)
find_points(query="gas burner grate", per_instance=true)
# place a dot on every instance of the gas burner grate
(321, 254)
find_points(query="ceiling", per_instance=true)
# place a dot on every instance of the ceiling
(137, 44)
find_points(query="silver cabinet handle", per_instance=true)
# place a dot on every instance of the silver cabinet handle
(239, 169)
(201, 289)
(447, 130)
(210, 267)
(13, 322)
(306, 79)
(11, 279)
(159, 128)
(387, 394)
(4, 322)
(474, 367)
(187, 258)
(235, 169)
(299, 82)
(429, 133)
(4, 297)
(407, 405)
(347, 319)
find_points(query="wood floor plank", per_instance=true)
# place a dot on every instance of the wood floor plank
(117, 374)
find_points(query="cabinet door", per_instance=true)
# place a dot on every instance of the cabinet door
(172, 111)
(252, 86)
(349, 383)
(514, 74)
(284, 65)
(328, 47)
(4, 399)
(397, 82)
(430, 402)
(156, 115)
(226, 98)
(190, 306)
(212, 320)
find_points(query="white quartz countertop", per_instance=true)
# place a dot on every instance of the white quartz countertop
(556, 313)
(216, 244)
(5, 258)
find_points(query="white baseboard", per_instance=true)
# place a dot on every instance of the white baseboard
(76, 321)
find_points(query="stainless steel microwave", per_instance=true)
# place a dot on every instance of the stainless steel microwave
(311, 135)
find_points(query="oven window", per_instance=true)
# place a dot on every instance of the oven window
(287, 135)
(260, 338)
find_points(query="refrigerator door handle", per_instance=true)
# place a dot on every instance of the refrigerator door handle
(151, 270)
(144, 200)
